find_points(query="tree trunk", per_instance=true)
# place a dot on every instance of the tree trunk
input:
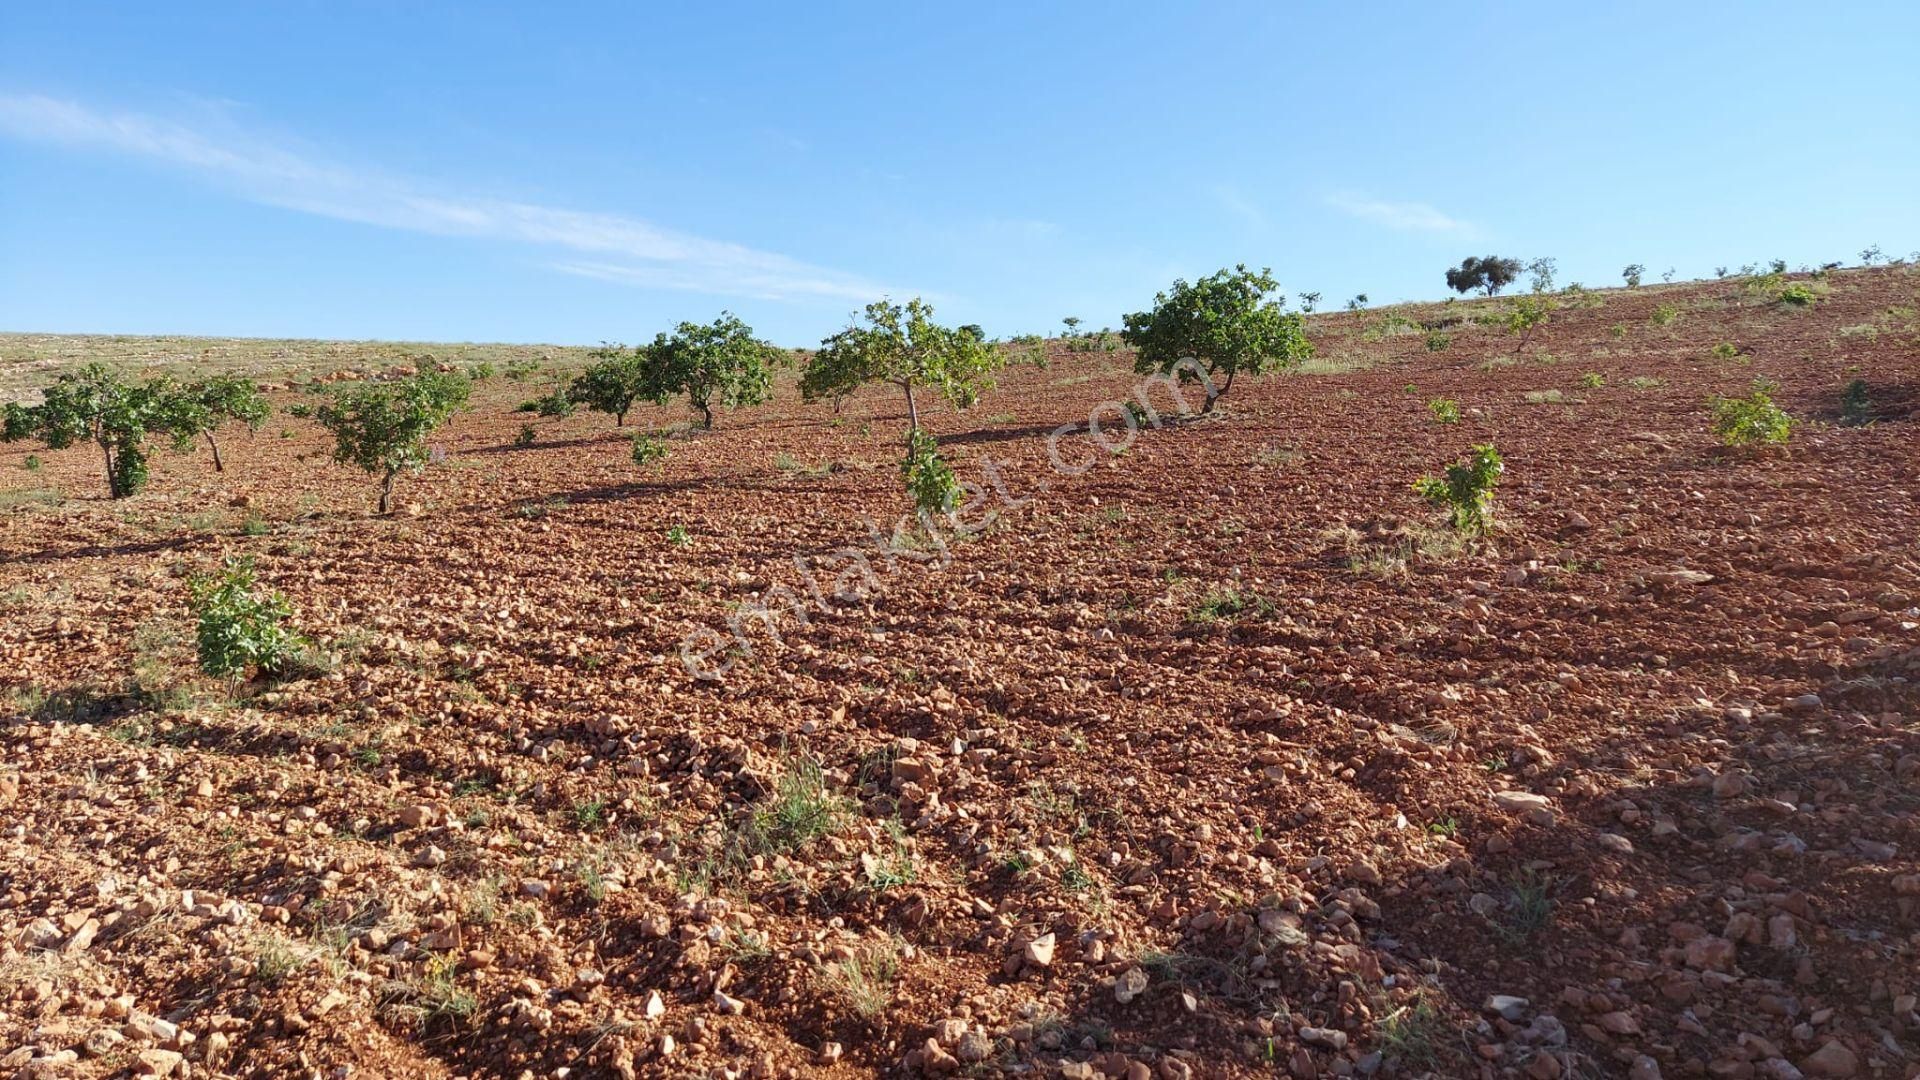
(1213, 397)
(620, 418)
(218, 465)
(386, 491)
(706, 414)
(913, 412)
(106, 451)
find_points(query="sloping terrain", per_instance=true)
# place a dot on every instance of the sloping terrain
(1199, 752)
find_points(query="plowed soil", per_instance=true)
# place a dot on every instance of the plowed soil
(1207, 754)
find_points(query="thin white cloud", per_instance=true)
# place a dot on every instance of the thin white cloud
(1236, 202)
(625, 249)
(1405, 216)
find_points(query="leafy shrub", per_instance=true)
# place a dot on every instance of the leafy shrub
(527, 436)
(32, 463)
(1438, 341)
(1227, 322)
(1593, 380)
(1753, 420)
(98, 405)
(239, 626)
(1358, 302)
(1727, 350)
(902, 345)
(1631, 275)
(1798, 295)
(930, 480)
(196, 410)
(1490, 273)
(648, 449)
(1540, 273)
(720, 364)
(1856, 402)
(1665, 314)
(383, 427)
(1309, 301)
(612, 383)
(1444, 410)
(1466, 491)
(1527, 315)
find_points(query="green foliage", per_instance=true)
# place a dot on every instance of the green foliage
(612, 383)
(1227, 322)
(1540, 274)
(719, 365)
(648, 449)
(1727, 350)
(196, 410)
(98, 405)
(1359, 301)
(1490, 273)
(527, 437)
(1798, 295)
(1444, 410)
(383, 427)
(1631, 275)
(1753, 420)
(902, 345)
(1466, 492)
(1527, 315)
(1665, 314)
(240, 626)
(677, 536)
(930, 480)
(1309, 301)
(1856, 403)
(1438, 341)
(1593, 380)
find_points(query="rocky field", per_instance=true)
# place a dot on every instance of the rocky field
(1198, 752)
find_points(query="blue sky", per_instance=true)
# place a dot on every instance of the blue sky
(579, 172)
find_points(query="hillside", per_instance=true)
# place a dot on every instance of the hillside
(1202, 752)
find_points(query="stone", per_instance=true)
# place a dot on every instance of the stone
(1039, 951)
(1710, 953)
(1506, 1006)
(1331, 1038)
(973, 1047)
(1131, 984)
(157, 1063)
(1834, 1060)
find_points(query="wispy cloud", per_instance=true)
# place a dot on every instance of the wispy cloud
(623, 249)
(1236, 202)
(1405, 216)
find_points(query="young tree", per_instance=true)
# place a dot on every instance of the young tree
(1309, 301)
(613, 382)
(1540, 273)
(1358, 302)
(1490, 272)
(94, 404)
(1228, 322)
(1631, 275)
(902, 345)
(719, 365)
(193, 411)
(383, 427)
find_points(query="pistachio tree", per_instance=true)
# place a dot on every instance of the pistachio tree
(613, 383)
(197, 410)
(718, 365)
(95, 404)
(383, 427)
(902, 345)
(1225, 323)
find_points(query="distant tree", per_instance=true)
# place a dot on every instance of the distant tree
(383, 427)
(1540, 273)
(196, 410)
(902, 345)
(615, 380)
(95, 404)
(1528, 313)
(718, 365)
(1490, 273)
(1072, 323)
(1228, 322)
(1631, 275)
(1309, 301)
(1358, 302)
